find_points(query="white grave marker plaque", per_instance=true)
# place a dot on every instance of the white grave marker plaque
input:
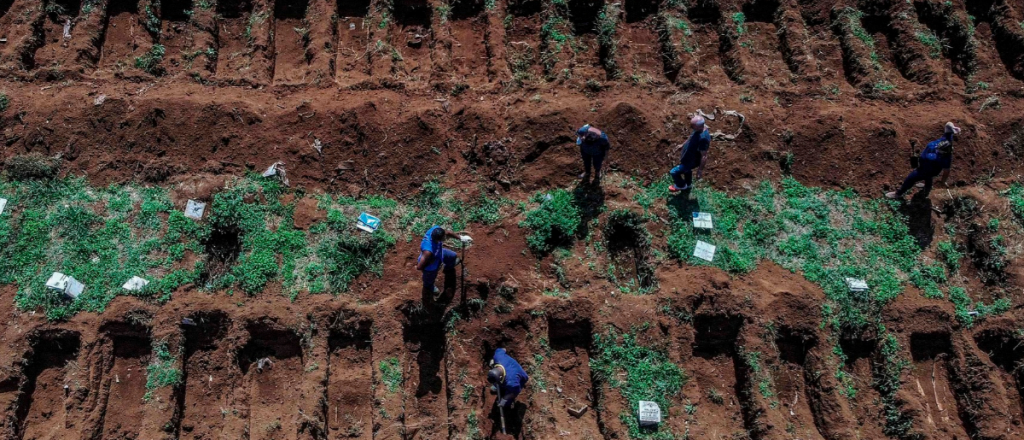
(650, 413)
(705, 251)
(856, 285)
(702, 220)
(3, 203)
(194, 210)
(65, 284)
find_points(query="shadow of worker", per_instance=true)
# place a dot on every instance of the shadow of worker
(918, 213)
(514, 417)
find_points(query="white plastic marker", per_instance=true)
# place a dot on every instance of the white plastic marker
(704, 251)
(856, 285)
(65, 284)
(3, 203)
(368, 222)
(194, 210)
(702, 220)
(135, 284)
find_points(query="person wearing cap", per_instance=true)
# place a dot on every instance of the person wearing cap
(695, 155)
(594, 146)
(507, 378)
(935, 159)
(433, 256)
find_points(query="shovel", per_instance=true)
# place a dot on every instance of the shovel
(501, 411)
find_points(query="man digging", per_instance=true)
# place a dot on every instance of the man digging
(433, 256)
(935, 159)
(507, 379)
(594, 147)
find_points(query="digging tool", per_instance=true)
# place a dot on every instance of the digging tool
(501, 411)
(463, 280)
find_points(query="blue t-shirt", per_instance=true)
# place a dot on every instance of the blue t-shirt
(697, 144)
(597, 147)
(515, 376)
(938, 155)
(434, 248)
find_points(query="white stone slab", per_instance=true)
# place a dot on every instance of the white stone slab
(702, 220)
(650, 413)
(194, 210)
(705, 251)
(3, 204)
(135, 284)
(856, 285)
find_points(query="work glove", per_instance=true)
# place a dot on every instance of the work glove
(503, 402)
(494, 389)
(466, 239)
(491, 363)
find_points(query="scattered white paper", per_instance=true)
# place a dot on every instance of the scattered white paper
(277, 169)
(99, 100)
(194, 210)
(856, 285)
(135, 284)
(702, 220)
(3, 204)
(704, 251)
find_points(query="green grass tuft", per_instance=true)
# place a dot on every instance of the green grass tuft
(554, 221)
(162, 371)
(391, 373)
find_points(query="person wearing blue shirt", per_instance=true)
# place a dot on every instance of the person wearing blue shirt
(433, 256)
(694, 156)
(594, 147)
(936, 159)
(506, 377)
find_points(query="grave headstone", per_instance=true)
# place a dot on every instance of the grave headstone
(135, 284)
(3, 204)
(856, 285)
(368, 222)
(65, 284)
(705, 251)
(650, 413)
(194, 210)
(702, 220)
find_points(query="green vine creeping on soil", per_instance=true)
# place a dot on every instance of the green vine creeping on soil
(1016, 197)
(4, 102)
(150, 61)
(898, 423)
(162, 371)
(391, 373)
(639, 373)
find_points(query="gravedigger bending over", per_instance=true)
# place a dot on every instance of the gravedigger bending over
(433, 255)
(506, 377)
(935, 159)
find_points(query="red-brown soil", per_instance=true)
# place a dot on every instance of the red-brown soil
(398, 102)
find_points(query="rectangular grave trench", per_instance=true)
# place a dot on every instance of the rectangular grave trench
(204, 375)
(583, 14)
(124, 36)
(1007, 353)
(291, 41)
(930, 353)
(272, 365)
(352, 39)
(50, 51)
(175, 10)
(859, 365)
(233, 33)
(41, 399)
(714, 367)
(792, 380)
(568, 378)
(638, 10)
(1007, 45)
(425, 393)
(350, 383)
(412, 13)
(465, 9)
(126, 381)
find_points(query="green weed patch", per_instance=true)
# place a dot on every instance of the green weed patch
(554, 220)
(162, 371)
(827, 235)
(639, 373)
